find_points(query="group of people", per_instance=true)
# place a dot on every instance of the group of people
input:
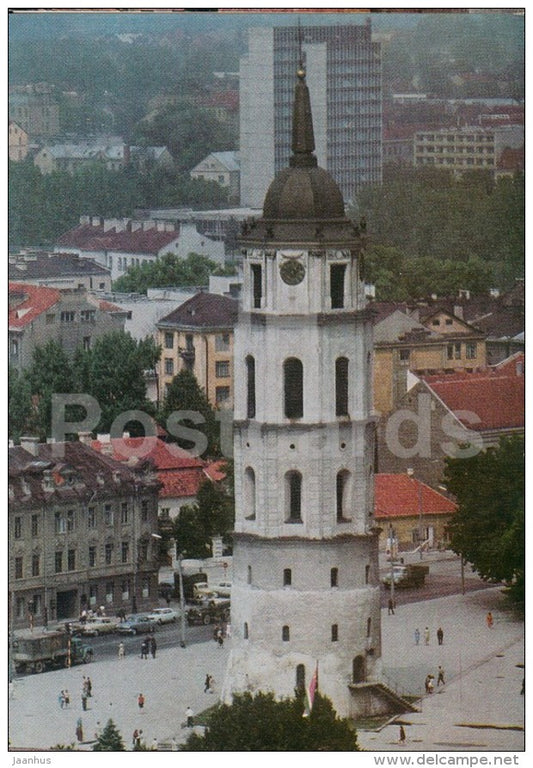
(149, 644)
(429, 684)
(427, 636)
(218, 635)
(64, 699)
(209, 684)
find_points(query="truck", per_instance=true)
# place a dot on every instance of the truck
(38, 651)
(190, 581)
(412, 575)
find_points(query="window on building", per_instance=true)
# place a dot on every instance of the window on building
(50, 319)
(91, 517)
(454, 351)
(221, 342)
(58, 561)
(245, 631)
(86, 343)
(108, 514)
(35, 564)
(334, 633)
(124, 551)
(341, 386)
(336, 276)
(293, 388)
(222, 369)
(109, 592)
(367, 574)
(222, 395)
(169, 340)
(92, 556)
(449, 321)
(35, 525)
(300, 677)
(169, 366)
(18, 527)
(257, 285)
(71, 560)
(93, 594)
(287, 577)
(285, 633)
(14, 347)
(250, 387)
(60, 525)
(249, 575)
(20, 607)
(294, 497)
(145, 587)
(19, 567)
(70, 521)
(108, 553)
(87, 315)
(369, 627)
(124, 512)
(37, 605)
(470, 350)
(249, 493)
(334, 577)
(125, 587)
(144, 510)
(342, 484)
(143, 551)
(68, 317)
(404, 355)
(164, 513)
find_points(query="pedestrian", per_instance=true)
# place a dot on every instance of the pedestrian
(61, 699)
(417, 636)
(426, 635)
(402, 735)
(523, 688)
(89, 687)
(220, 638)
(153, 647)
(428, 684)
(84, 700)
(135, 738)
(490, 620)
(121, 651)
(440, 635)
(216, 630)
(207, 684)
(140, 701)
(440, 676)
(190, 717)
(391, 606)
(66, 696)
(144, 649)
(79, 730)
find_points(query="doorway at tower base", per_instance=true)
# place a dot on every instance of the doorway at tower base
(370, 699)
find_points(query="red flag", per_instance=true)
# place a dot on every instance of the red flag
(313, 687)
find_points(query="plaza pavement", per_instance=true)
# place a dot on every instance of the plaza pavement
(479, 708)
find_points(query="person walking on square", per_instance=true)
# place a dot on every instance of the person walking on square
(61, 699)
(89, 687)
(66, 697)
(490, 620)
(440, 636)
(440, 676)
(79, 730)
(207, 684)
(140, 701)
(417, 636)
(402, 735)
(84, 700)
(153, 647)
(144, 649)
(190, 717)
(391, 606)
(121, 651)
(426, 635)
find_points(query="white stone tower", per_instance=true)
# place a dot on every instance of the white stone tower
(305, 564)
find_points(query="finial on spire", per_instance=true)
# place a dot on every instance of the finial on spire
(303, 140)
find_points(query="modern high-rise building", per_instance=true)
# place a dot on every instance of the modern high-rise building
(343, 67)
(306, 594)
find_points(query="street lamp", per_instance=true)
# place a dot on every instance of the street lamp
(411, 472)
(391, 548)
(179, 558)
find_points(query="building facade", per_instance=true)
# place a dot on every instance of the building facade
(224, 169)
(305, 590)
(343, 67)
(198, 336)
(35, 108)
(80, 533)
(58, 270)
(18, 142)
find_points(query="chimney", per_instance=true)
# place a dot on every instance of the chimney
(96, 221)
(149, 224)
(85, 220)
(458, 311)
(30, 444)
(135, 225)
(109, 224)
(86, 438)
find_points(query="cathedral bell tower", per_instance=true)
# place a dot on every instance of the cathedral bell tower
(305, 565)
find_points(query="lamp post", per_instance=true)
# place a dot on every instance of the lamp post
(411, 472)
(391, 546)
(179, 558)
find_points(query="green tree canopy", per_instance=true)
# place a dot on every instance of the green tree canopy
(185, 394)
(170, 269)
(261, 724)
(488, 529)
(109, 740)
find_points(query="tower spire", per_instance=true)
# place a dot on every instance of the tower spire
(303, 139)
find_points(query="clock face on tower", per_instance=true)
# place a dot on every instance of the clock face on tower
(292, 272)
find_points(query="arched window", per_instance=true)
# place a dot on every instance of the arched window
(245, 630)
(367, 574)
(249, 575)
(336, 280)
(293, 497)
(249, 493)
(342, 481)
(341, 386)
(257, 285)
(300, 677)
(285, 634)
(293, 379)
(369, 627)
(250, 387)
(334, 633)
(334, 577)
(287, 577)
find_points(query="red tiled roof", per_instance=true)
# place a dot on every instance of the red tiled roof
(216, 471)
(88, 237)
(106, 306)
(164, 455)
(496, 399)
(403, 496)
(183, 482)
(35, 300)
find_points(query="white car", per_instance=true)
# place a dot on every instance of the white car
(223, 588)
(163, 615)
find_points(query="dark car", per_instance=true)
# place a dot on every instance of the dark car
(209, 613)
(137, 624)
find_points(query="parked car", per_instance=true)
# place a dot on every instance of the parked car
(163, 615)
(406, 576)
(137, 624)
(209, 613)
(99, 625)
(223, 588)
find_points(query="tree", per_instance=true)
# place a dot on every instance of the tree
(488, 529)
(168, 270)
(21, 412)
(109, 740)
(261, 724)
(185, 394)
